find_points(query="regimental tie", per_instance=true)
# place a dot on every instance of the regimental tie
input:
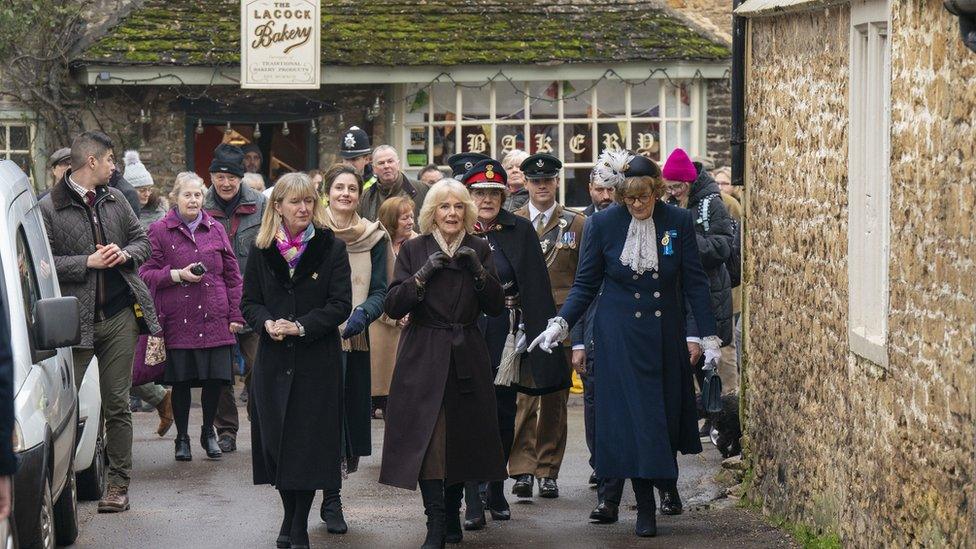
(540, 223)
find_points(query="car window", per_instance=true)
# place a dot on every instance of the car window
(28, 280)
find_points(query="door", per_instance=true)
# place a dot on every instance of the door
(282, 150)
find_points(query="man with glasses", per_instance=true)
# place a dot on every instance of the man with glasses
(540, 421)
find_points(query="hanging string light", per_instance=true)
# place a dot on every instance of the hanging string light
(284, 130)
(227, 129)
(199, 126)
(315, 128)
(257, 131)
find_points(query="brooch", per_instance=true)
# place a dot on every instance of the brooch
(667, 243)
(544, 244)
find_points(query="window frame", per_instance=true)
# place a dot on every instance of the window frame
(667, 91)
(869, 192)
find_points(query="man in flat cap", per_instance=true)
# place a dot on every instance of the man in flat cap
(540, 423)
(60, 162)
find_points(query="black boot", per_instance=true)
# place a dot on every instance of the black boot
(452, 513)
(670, 499)
(432, 491)
(474, 510)
(646, 508)
(331, 512)
(183, 448)
(208, 439)
(497, 504)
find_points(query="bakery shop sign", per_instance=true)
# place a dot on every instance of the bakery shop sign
(280, 44)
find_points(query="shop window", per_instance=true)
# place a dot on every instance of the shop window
(15, 144)
(574, 120)
(869, 181)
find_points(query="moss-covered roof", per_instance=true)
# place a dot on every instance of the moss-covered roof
(419, 32)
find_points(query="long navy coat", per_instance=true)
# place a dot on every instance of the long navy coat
(645, 403)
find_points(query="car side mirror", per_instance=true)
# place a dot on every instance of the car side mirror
(57, 323)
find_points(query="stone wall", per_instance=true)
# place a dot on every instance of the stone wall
(883, 457)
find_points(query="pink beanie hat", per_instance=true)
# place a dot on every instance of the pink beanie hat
(679, 167)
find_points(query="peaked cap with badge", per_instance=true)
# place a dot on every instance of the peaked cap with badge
(355, 143)
(541, 166)
(460, 163)
(486, 174)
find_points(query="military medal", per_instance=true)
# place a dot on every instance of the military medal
(666, 242)
(544, 244)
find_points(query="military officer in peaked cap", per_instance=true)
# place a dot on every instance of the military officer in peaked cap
(460, 163)
(540, 424)
(355, 150)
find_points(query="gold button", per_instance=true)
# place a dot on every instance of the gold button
(654, 276)
(657, 313)
(637, 314)
(657, 294)
(637, 296)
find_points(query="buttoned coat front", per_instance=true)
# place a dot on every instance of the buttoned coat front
(193, 315)
(645, 402)
(296, 384)
(442, 362)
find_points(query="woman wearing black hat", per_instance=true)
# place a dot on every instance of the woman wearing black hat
(528, 303)
(644, 255)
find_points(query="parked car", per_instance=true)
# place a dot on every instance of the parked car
(57, 428)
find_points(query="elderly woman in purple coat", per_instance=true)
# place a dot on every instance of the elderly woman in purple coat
(197, 287)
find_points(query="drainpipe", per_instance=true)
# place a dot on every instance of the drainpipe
(738, 141)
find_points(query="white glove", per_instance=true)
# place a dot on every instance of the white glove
(551, 336)
(712, 357)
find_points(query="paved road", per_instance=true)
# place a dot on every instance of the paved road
(213, 504)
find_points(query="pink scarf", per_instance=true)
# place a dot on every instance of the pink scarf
(292, 247)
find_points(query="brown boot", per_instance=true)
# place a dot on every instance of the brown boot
(115, 500)
(165, 410)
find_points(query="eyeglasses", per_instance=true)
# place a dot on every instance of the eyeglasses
(674, 187)
(643, 199)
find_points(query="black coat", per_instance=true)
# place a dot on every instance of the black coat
(8, 463)
(520, 244)
(714, 248)
(296, 384)
(442, 361)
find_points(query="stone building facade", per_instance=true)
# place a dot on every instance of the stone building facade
(878, 451)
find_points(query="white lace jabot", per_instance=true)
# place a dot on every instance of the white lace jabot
(640, 248)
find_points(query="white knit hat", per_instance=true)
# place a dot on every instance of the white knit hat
(136, 173)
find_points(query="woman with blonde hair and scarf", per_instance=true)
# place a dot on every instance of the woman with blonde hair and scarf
(371, 262)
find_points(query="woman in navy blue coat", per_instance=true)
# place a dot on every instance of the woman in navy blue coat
(644, 255)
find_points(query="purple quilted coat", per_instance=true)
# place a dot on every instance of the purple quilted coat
(193, 315)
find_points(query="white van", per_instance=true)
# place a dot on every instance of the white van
(57, 428)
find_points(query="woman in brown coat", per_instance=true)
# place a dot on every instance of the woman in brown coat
(441, 426)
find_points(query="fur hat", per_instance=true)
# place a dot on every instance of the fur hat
(228, 159)
(136, 173)
(679, 167)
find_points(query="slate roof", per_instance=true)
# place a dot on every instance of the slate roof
(420, 32)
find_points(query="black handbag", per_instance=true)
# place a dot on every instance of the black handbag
(712, 389)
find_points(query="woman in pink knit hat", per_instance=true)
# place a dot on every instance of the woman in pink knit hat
(678, 174)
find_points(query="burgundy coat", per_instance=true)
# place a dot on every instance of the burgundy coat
(193, 315)
(442, 361)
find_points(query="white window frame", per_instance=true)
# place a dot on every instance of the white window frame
(39, 173)
(869, 180)
(697, 112)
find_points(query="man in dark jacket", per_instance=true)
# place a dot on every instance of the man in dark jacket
(390, 182)
(8, 462)
(98, 245)
(239, 209)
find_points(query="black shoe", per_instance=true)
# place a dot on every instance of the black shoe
(227, 443)
(331, 512)
(605, 513)
(283, 542)
(432, 491)
(183, 448)
(452, 513)
(593, 480)
(548, 488)
(523, 486)
(209, 442)
(497, 504)
(474, 510)
(670, 502)
(646, 526)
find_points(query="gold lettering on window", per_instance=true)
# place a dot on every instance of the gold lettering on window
(645, 140)
(576, 144)
(543, 143)
(508, 144)
(611, 141)
(477, 142)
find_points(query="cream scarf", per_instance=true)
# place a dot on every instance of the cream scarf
(449, 249)
(360, 238)
(640, 248)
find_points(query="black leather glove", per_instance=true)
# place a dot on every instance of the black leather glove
(437, 260)
(468, 259)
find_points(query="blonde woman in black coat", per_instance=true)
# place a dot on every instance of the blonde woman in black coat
(296, 294)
